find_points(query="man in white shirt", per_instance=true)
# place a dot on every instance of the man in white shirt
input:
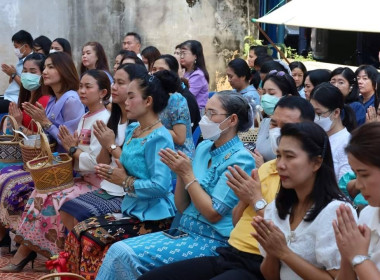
(23, 44)
(132, 42)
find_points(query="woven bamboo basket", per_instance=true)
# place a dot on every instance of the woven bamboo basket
(250, 136)
(10, 150)
(30, 153)
(61, 274)
(47, 175)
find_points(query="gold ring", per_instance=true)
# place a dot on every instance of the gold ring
(176, 155)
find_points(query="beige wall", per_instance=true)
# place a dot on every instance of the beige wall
(220, 25)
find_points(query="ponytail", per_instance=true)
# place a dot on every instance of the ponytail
(348, 118)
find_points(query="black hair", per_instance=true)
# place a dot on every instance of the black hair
(259, 50)
(171, 61)
(255, 78)
(234, 103)
(64, 44)
(298, 64)
(126, 52)
(350, 76)
(131, 55)
(260, 60)
(135, 35)
(102, 80)
(240, 68)
(173, 65)
(377, 95)
(159, 86)
(24, 96)
(315, 142)
(284, 81)
(298, 103)
(197, 50)
(151, 53)
(318, 76)
(44, 43)
(134, 71)
(372, 75)
(330, 97)
(272, 65)
(23, 37)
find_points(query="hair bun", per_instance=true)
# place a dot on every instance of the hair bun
(169, 80)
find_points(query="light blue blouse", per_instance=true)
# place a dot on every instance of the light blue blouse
(177, 112)
(302, 92)
(213, 179)
(250, 93)
(153, 198)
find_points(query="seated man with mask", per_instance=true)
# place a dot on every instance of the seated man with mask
(23, 45)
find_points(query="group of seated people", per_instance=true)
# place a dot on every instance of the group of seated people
(150, 202)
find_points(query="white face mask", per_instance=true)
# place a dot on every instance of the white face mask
(18, 53)
(210, 130)
(53, 51)
(324, 122)
(274, 133)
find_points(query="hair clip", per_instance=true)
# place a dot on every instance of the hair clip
(277, 73)
(151, 78)
(272, 72)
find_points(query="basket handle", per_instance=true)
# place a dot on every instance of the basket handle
(16, 137)
(258, 118)
(67, 274)
(39, 129)
(45, 146)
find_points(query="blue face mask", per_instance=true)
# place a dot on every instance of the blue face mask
(268, 102)
(30, 81)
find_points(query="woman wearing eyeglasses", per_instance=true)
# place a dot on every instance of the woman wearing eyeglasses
(337, 119)
(201, 195)
(192, 60)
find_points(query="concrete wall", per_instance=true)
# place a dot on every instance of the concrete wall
(219, 24)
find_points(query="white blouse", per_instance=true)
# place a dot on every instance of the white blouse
(111, 188)
(338, 142)
(313, 241)
(88, 143)
(371, 217)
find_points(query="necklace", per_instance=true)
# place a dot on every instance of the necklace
(142, 131)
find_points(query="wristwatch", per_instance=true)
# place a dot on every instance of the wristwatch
(47, 126)
(72, 150)
(358, 259)
(13, 75)
(112, 148)
(260, 204)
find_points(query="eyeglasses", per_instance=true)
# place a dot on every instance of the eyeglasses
(183, 54)
(209, 114)
(319, 115)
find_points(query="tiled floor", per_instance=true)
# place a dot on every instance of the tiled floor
(27, 273)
